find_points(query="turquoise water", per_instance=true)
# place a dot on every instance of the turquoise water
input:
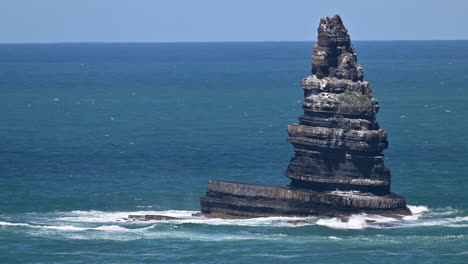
(93, 132)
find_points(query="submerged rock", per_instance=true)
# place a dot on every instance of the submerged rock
(151, 218)
(338, 168)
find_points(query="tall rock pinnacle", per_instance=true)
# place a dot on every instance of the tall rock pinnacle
(338, 142)
(333, 54)
(338, 167)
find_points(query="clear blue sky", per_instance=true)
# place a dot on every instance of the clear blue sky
(226, 20)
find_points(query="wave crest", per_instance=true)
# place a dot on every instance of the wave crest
(113, 225)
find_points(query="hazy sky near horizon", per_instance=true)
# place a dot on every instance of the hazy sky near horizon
(23, 21)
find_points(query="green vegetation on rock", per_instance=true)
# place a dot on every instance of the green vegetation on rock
(353, 98)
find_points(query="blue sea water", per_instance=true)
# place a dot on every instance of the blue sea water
(93, 132)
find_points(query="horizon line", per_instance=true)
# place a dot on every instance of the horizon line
(229, 41)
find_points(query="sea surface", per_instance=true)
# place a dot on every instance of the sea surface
(90, 133)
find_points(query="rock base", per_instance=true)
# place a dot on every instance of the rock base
(151, 218)
(239, 200)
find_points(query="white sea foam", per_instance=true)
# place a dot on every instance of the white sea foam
(354, 222)
(362, 221)
(107, 217)
(60, 227)
(358, 221)
(418, 209)
(186, 217)
(444, 211)
(115, 226)
(110, 228)
(12, 224)
(73, 228)
(447, 222)
(459, 225)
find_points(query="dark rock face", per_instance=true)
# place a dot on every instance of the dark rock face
(229, 199)
(333, 54)
(338, 167)
(338, 142)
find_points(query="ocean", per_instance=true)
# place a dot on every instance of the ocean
(91, 133)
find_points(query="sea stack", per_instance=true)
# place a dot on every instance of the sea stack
(338, 141)
(338, 168)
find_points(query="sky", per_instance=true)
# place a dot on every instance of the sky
(45, 21)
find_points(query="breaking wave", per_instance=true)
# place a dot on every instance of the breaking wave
(69, 227)
(116, 226)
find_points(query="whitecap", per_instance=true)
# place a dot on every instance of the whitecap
(354, 222)
(110, 228)
(72, 228)
(444, 211)
(62, 228)
(416, 212)
(13, 224)
(459, 225)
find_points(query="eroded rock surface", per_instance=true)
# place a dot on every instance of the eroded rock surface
(333, 54)
(338, 168)
(228, 199)
(338, 141)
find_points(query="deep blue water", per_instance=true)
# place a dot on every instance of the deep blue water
(92, 132)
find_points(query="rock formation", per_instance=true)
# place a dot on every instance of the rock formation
(338, 167)
(338, 142)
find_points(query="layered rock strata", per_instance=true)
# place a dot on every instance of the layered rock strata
(338, 141)
(237, 200)
(338, 167)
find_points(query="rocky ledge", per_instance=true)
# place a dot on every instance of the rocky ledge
(227, 199)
